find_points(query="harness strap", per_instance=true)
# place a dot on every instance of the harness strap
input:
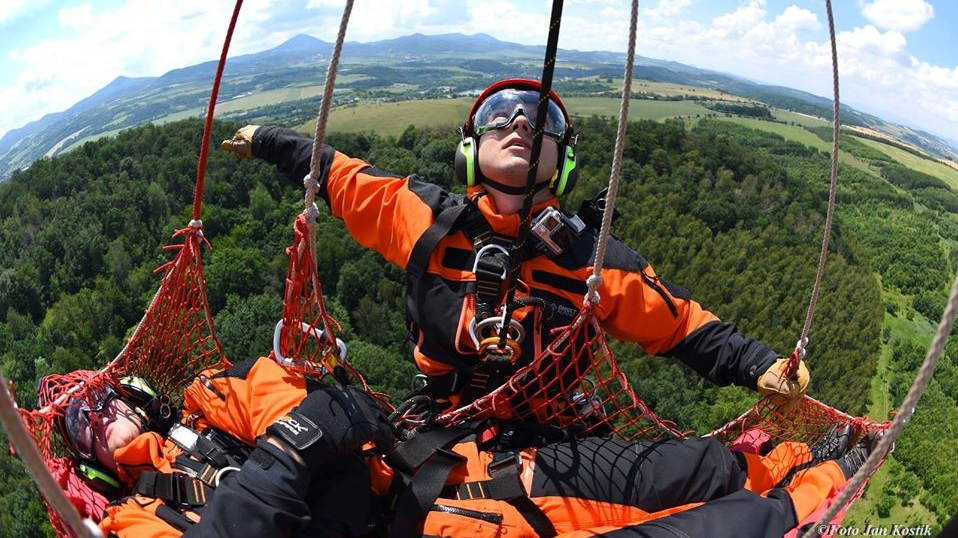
(419, 257)
(505, 485)
(201, 447)
(422, 491)
(415, 451)
(534, 515)
(179, 488)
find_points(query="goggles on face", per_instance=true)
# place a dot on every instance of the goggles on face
(500, 109)
(77, 424)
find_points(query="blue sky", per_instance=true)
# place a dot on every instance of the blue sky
(897, 58)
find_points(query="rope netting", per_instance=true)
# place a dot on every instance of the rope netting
(305, 338)
(173, 342)
(576, 382)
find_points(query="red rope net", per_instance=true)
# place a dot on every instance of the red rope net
(305, 338)
(577, 383)
(173, 342)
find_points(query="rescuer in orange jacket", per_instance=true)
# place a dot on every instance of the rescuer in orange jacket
(247, 457)
(438, 237)
(305, 477)
(448, 291)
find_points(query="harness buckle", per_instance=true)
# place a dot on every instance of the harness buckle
(504, 460)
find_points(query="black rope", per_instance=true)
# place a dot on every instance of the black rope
(525, 215)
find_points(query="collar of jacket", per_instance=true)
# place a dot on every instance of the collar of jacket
(507, 225)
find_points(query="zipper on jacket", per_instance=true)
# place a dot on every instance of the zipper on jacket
(465, 512)
(653, 283)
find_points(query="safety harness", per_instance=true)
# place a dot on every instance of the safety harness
(423, 463)
(425, 459)
(552, 233)
(206, 458)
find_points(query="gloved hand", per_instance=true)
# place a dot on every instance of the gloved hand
(783, 390)
(242, 142)
(332, 422)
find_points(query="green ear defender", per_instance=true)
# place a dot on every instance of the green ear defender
(467, 166)
(99, 479)
(137, 390)
(567, 173)
(466, 161)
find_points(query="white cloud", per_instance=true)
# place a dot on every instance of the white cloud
(797, 19)
(12, 9)
(899, 15)
(785, 47)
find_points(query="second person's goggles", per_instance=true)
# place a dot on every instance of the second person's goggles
(79, 427)
(500, 109)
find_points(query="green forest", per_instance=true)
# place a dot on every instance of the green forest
(734, 214)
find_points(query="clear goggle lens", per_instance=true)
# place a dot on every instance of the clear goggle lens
(500, 109)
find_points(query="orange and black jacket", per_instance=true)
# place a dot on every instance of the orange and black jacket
(270, 495)
(390, 214)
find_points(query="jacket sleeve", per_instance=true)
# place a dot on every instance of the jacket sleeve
(639, 306)
(723, 355)
(265, 498)
(382, 211)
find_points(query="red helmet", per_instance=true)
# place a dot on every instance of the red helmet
(499, 104)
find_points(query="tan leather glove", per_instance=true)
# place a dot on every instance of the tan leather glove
(782, 391)
(241, 144)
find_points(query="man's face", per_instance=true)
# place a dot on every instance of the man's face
(112, 428)
(504, 154)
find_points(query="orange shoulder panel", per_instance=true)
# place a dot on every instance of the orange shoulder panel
(245, 407)
(638, 307)
(381, 213)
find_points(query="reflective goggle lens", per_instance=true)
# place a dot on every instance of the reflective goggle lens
(79, 429)
(500, 109)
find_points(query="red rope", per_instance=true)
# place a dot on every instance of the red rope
(208, 127)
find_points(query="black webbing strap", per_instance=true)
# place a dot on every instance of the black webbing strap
(426, 463)
(503, 483)
(422, 491)
(419, 257)
(179, 488)
(413, 452)
(534, 515)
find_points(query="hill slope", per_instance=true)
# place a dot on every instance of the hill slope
(406, 67)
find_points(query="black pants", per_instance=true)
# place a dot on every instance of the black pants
(661, 475)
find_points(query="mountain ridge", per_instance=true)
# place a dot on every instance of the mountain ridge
(127, 102)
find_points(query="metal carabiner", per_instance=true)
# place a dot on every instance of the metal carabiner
(308, 330)
(516, 331)
(482, 251)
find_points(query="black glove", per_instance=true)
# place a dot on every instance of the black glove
(332, 422)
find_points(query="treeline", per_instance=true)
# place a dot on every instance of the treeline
(734, 214)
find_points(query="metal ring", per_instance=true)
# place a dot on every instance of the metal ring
(509, 353)
(222, 472)
(308, 330)
(518, 335)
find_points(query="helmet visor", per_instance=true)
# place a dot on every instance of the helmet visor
(500, 109)
(77, 423)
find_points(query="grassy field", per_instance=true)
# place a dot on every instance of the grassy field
(926, 166)
(392, 119)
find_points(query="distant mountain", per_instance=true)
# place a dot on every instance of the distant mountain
(454, 62)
